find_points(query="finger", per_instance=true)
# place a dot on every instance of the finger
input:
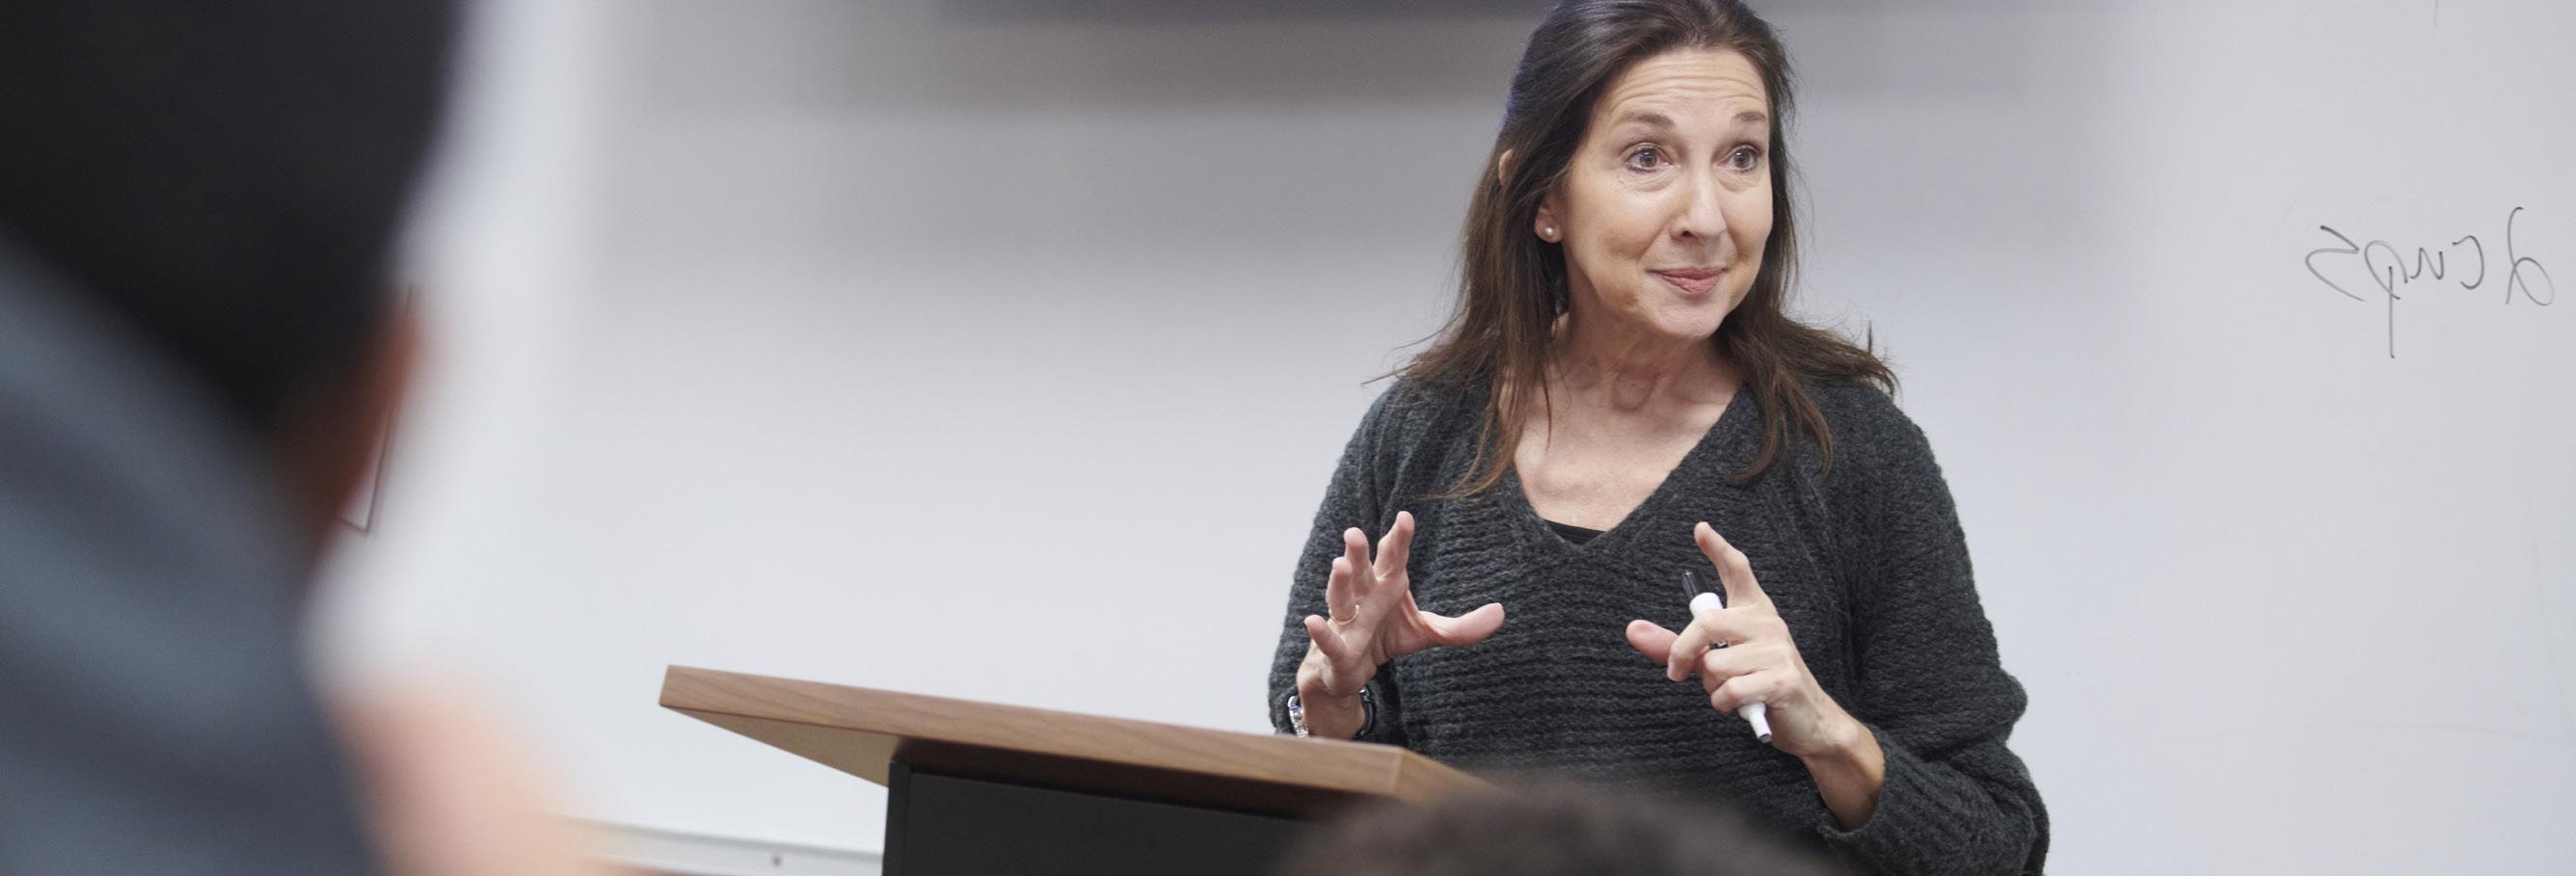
(1695, 638)
(1355, 549)
(1339, 648)
(1707, 630)
(1733, 627)
(1321, 632)
(1331, 640)
(1755, 687)
(1716, 666)
(1337, 652)
(1465, 629)
(1339, 598)
(1396, 547)
(1651, 639)
(1734, 569)
(1393, 552)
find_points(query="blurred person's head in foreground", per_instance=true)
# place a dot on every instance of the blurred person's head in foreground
(1545, 829)
(198, 206)
(214, 192)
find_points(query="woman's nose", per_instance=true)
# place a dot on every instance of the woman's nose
(1703, 213)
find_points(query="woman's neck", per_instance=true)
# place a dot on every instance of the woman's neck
(1629, 370)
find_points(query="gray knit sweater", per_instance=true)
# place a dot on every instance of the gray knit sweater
(1867, 564)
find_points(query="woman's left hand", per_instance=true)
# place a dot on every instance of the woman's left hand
(1760, 663)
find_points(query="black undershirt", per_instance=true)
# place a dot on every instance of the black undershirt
(1572, 533)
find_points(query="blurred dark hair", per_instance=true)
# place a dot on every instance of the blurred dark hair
(1544, 829)
(1512, 286)
(227, 178)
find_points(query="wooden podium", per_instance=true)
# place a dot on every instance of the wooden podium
(984, 788)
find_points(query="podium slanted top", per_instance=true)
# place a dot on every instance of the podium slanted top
(862, 731)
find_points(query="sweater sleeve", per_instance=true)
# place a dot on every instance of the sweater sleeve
(1356, 496)
(1930, 684)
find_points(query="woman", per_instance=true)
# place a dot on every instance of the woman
(1621, 398)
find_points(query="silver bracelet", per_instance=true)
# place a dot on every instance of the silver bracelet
(1368, 714)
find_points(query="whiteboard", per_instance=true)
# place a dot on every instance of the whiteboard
(999, 349)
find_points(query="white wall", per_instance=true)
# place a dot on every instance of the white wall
(999, 349)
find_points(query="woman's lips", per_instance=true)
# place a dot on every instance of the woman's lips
(1691, 281)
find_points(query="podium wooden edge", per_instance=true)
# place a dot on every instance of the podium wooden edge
(862, 731)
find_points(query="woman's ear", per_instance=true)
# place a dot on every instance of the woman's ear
(1546, 227)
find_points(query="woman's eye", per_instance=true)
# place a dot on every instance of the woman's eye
(1744, 158)
(1645, 158)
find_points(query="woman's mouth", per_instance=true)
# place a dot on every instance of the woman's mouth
(1693, 282)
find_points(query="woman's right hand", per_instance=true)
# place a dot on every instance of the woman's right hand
(1373, 620)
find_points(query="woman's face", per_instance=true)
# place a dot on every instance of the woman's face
(1666, 205)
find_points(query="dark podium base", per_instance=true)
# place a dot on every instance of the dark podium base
(939, 824)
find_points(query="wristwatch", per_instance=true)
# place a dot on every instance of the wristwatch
(1368, 714)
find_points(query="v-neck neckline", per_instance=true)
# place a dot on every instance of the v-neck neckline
(1531, 524)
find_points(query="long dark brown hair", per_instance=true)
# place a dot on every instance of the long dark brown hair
(1512, 286)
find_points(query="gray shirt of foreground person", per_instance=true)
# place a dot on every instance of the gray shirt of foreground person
(1867, 564)
(155, 716)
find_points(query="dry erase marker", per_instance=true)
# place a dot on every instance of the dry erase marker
(1703, 601)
